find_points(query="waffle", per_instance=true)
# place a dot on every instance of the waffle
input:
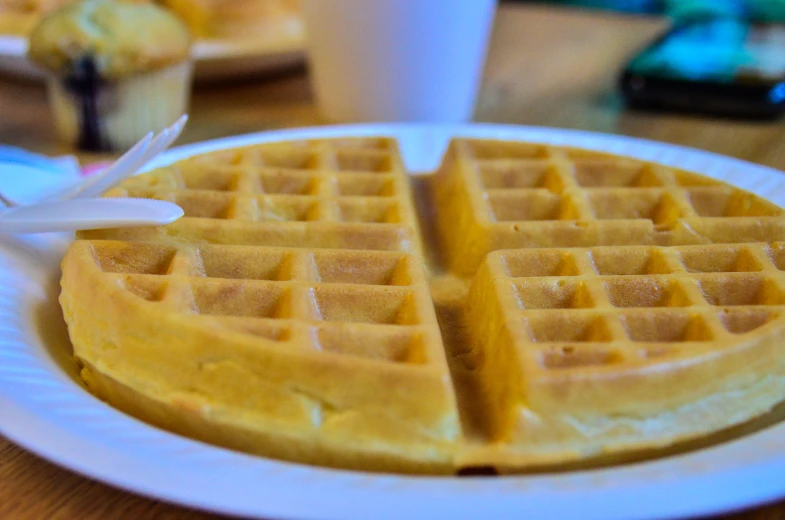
(547, 306)
(609, 348)
(343, 194)
(511, 195)
(307, 355)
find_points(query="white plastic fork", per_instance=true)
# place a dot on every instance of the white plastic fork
(130, 163)
(78, 214)
(75, 207)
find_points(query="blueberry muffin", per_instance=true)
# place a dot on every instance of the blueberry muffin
(117, 70)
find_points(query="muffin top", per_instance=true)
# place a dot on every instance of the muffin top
(122, 38)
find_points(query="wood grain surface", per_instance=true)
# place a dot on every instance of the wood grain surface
(546, 66)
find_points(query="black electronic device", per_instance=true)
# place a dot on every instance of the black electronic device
(720, 66)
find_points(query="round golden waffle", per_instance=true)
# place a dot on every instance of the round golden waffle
(546, 305)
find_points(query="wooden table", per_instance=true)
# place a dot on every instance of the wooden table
(546, 67)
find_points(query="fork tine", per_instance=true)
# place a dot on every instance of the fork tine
(158, 144)
(174, 131)
(113, 175)
(129, 160)
(128, 164)
(178, 126)
(129, 157)
(166, 138)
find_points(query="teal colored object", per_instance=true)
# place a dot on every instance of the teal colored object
(690, 9)
(769, 10)
(688, 56)
(632, 6)
(762, 10)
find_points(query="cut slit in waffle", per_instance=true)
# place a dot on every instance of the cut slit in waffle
(590, 305)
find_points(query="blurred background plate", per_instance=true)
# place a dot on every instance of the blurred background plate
(215, 59)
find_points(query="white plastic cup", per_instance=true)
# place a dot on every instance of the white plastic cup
(397, 60)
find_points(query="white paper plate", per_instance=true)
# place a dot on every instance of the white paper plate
(43, 409)
(214, 59)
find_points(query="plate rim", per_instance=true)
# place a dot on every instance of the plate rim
(69, 427)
